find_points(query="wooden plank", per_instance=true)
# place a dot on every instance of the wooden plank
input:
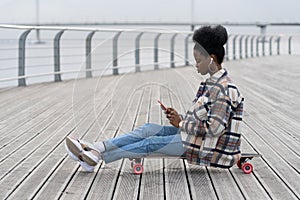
(21, 118)
(284, 183)
(37, 151)
(67, 174)
(176, 184)
(289, 152)
(9, 96)
(37, 105)
(42, 172)
(199, 181)
(128, 183)
(152, 183)
(11, 143)
(224, 184)
(76, 188)
(24, 104)
(122, 168)
(270, 74)
(266, 113)
(284, 143)
(33, 136)
(106, 182)
(268, 132)
(30, 161)
(42, 118)
(249, 184)
(67, 183)
(16, 158)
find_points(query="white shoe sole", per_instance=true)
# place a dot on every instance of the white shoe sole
(90, 158)
(77, 153)
(86, 166)
(73, 156)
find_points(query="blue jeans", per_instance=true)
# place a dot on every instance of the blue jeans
(144, 141)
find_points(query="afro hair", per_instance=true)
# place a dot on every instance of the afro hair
(212, 39)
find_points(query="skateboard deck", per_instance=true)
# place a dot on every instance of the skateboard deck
(243, 163)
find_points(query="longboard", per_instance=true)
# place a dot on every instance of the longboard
(243, 163)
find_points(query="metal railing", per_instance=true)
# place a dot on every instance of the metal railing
(177, 45)
(249, 46)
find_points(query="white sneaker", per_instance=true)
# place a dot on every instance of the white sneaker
(82, 152)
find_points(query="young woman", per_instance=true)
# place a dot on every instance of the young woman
(208, 134)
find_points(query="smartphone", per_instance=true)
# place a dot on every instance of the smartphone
(163, 107)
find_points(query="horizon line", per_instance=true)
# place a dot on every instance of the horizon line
(260, 24)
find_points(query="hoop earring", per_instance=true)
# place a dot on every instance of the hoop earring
(209, 66)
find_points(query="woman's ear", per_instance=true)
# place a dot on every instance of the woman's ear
(214, 57)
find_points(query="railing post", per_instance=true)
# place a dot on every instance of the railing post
(156, 66)
(263, 45)
(251, 47)
(186, 49)
(246, 46)
(270, 45)
(290, 45)
(115, 54)
(57, 74)
(172, 50)
(257, 46)
(227, 48)
(22, 49)
(137, 52)
(278, 45)
(233, 46)
(241, 47)
(88, 54)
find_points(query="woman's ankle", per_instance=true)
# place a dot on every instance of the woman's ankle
(100, 147)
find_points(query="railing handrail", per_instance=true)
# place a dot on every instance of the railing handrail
(69, 28)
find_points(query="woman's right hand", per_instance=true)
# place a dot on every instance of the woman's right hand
(173, 117)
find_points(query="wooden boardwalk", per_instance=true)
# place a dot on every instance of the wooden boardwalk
(34, 121)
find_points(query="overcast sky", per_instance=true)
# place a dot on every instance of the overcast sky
(23, 11)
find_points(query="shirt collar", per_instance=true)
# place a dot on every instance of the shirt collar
(216, 76)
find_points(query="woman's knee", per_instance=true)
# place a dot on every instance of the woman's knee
(151, 129)
(147, 125)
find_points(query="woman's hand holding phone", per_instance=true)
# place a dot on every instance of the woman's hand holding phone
(172, 114)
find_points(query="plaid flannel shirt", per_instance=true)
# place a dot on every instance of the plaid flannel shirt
(211, 129)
